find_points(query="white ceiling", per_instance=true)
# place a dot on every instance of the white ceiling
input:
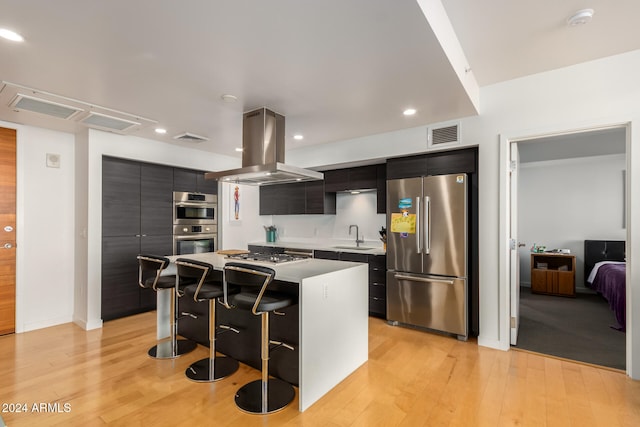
(336, 69)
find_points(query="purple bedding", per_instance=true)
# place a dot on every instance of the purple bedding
(610, 282)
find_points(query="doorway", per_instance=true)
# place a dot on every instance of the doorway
(570, 188)
(7, 231)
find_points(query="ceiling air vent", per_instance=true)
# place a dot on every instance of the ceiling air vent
(42, 106)
(109, 123)
(445, 135)
(190, 137)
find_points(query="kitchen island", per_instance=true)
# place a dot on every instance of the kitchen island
(331, 314)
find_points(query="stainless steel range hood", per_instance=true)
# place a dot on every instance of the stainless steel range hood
(263, 154)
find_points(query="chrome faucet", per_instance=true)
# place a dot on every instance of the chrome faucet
(358, 241)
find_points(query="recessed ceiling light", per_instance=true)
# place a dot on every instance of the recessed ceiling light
(10, 35)
(229, 98)
(355, 192)
(161, 131)
(581, 17)
(409, 112)
(298, 137)
(239, 149)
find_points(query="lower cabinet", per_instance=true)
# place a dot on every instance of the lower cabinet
(244, 346)
(121, 294)
(377, 277)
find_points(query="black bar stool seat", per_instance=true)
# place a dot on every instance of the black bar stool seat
(207, 288)
(153, 265)
(265, 395)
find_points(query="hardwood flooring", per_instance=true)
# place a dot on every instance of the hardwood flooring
(412, 378)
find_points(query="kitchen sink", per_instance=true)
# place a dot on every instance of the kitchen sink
(357, 248)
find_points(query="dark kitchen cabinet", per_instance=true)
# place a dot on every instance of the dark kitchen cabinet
(136, 218)
(441, 163)
(373, 177)
(296, 199)
(357, 178)
(193, 181)
(377, 277)
(381, 188)
(317, 200)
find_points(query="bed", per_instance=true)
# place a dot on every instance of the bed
(605, 273)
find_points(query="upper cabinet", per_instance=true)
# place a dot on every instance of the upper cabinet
(441, 163)
(296, 199)
(319, 197)
(359, 178)
(373, 177)
(193, 181)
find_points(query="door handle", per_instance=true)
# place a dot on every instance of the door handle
(427, 225)
(8, 246)
(423, 279)
(418, 219)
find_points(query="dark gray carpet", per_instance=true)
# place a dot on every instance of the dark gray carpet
(574, 328)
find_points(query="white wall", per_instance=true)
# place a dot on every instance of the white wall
(237, 234)
(44, 228)
(563, 202)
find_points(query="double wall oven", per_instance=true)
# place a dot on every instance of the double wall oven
(195, 223)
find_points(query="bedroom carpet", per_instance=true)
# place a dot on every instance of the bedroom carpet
(574, 328)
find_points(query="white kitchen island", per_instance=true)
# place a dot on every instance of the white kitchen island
(333, 318)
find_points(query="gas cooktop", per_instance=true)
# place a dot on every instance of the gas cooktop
(271, 258)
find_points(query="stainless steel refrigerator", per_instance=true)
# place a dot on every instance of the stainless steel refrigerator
(427, 253)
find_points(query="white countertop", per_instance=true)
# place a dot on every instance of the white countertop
(293, 271)
(328, 245)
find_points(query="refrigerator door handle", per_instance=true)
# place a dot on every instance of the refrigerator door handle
(423, 279)
(418, 245)
(427, 225)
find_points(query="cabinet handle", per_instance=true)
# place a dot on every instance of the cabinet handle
(8, 246)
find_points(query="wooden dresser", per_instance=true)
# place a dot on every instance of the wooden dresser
(553, 274)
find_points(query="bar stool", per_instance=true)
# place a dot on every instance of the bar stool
(206, 288)
(153, 264)
(265, 395)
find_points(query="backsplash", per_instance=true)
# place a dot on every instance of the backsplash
(358, 209)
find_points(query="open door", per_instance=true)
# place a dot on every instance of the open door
(514, 258)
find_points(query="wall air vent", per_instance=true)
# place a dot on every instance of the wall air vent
(190, 137)
(109, 123)
(444, 136)
(42, 106)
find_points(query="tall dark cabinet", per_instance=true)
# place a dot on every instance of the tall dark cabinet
(136, 218)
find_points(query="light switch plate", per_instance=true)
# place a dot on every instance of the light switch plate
(53, 160)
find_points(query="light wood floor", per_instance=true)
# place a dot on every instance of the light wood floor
(412, 378)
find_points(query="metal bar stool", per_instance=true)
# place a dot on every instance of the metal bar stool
(207, 288)
(154, 265)
(265, 395)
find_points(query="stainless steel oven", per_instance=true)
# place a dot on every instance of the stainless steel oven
(194, 239)
(194, 208)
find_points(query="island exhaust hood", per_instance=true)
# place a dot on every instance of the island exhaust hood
(263, 154)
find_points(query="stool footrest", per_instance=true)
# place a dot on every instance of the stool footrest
(249, 397)
(278, 344)
(226, 328)
(187, 314)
